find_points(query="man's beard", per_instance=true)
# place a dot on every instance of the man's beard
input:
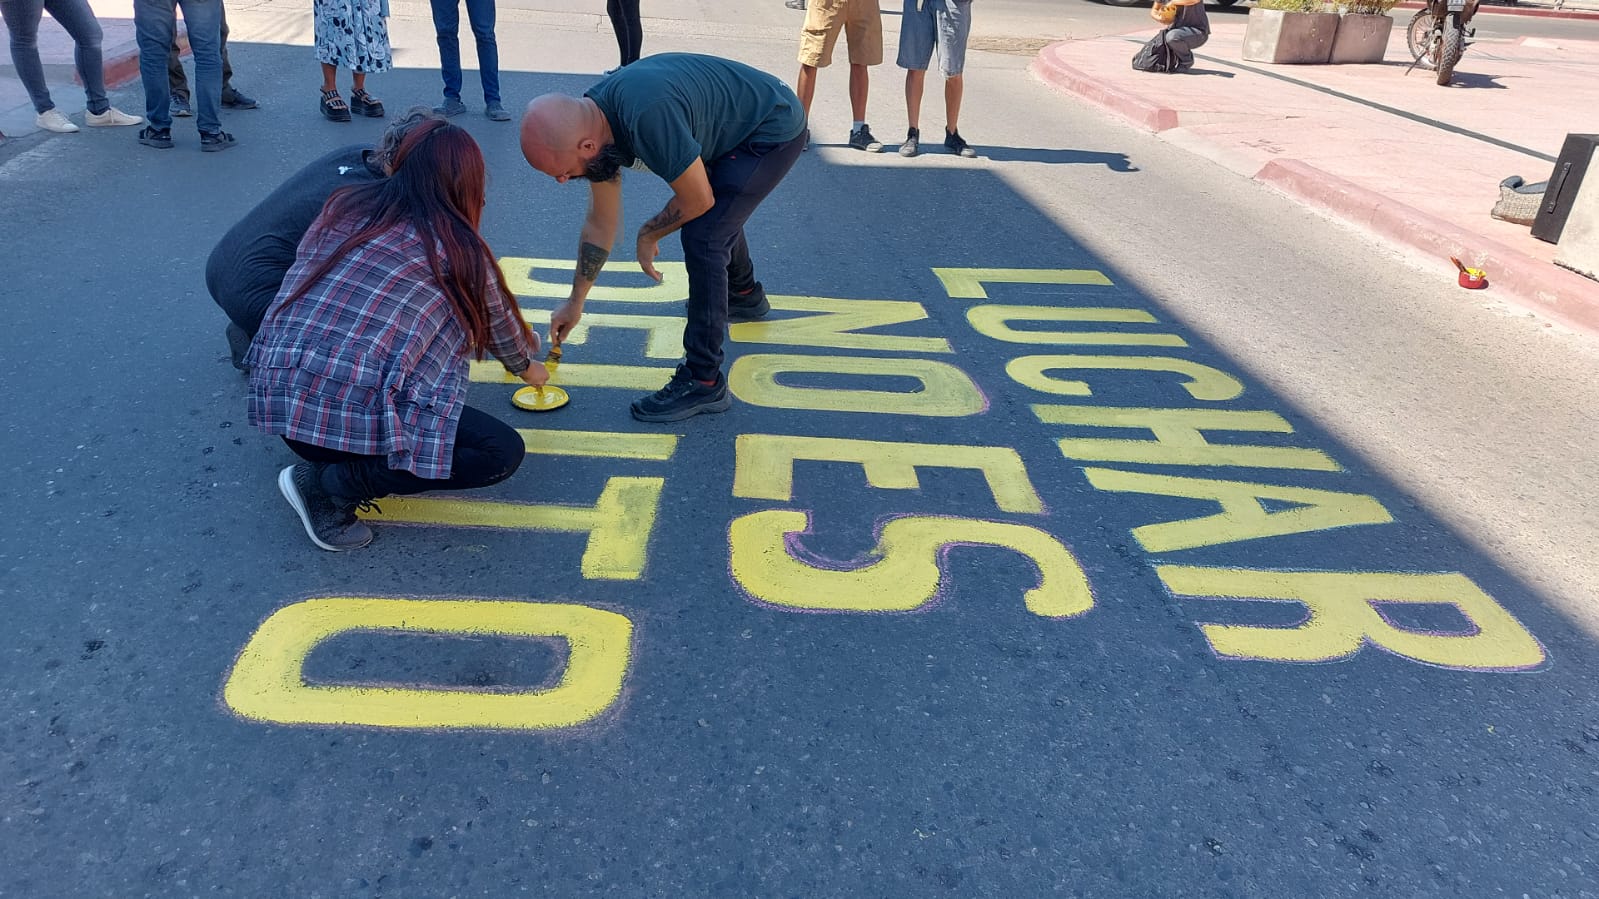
(606, 165)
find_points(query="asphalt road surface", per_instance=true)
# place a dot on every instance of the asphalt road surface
(1089, 522)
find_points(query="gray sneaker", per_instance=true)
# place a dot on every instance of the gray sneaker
(912, 144)
(496, 113)
(216, 141)
(861, 139)
(450, 106)
(683, 397)
(180, 107)
(329, 521)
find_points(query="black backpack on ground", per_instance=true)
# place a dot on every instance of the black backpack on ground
(1155, 56)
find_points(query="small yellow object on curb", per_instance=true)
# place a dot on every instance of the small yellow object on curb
(540, 399)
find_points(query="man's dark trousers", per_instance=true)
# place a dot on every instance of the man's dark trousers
(178, 82)
(447, 26)
(714, 249)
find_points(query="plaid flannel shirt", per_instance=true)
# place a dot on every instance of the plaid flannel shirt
(372, 360)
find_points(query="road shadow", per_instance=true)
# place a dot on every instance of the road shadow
(1116, 162)
(1476, 81)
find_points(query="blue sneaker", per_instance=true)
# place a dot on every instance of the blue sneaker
(451, 106)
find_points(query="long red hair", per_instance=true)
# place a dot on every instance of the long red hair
(437, 187)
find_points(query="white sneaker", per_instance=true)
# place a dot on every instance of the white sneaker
(111, 118)
(53, 120)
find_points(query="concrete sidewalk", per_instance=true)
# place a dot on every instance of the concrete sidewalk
(1416, 164)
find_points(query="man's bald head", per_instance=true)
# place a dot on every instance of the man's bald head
(560, 134)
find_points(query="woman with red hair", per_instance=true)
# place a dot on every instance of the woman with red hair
(361, 362)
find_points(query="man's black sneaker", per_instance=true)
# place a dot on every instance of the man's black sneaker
(238, 346)
(216, 141)
(160, 138)
(748, 307)
(912, 144)
(861, 139)
(683, 397)
(233, 98)
(956, 144)
(180, 107)
(329, 521)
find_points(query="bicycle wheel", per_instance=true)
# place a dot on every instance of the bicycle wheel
(1419, 37)
(1452, 45)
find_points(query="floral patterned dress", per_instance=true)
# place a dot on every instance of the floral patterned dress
(352, 34)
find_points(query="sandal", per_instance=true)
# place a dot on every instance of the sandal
(363, 103)
(334, 107)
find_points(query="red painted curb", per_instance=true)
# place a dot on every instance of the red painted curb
(1048, 68)
(1559, 294)
(122, 65)
(1517, 11)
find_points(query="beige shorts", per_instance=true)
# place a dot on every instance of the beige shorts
(860, 20)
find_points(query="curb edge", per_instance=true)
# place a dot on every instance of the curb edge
(1554, 292)
(1050, 70)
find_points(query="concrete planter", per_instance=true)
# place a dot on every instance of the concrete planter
(1273, 35)
(1361, 38)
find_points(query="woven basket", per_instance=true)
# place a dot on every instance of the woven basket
(1518, 200)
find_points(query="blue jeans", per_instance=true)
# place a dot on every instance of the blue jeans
(715, 252)
(22, 20)
(1183, 41)
(447, 22)
(154, 22)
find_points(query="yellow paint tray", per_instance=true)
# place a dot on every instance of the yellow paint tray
(540, 399)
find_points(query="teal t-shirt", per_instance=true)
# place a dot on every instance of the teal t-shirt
(669, 108)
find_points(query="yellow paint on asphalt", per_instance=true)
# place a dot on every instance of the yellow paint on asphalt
(618, 524)
(967, 283)
(765, 466)
(1179, 437)
(942, 391)
(1343, 617)
(268, 681)
(906, 574)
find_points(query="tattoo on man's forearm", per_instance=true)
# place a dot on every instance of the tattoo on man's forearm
(590, 259)
(664, 221)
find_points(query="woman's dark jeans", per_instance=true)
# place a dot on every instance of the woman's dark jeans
(487, 451)
(714, 250)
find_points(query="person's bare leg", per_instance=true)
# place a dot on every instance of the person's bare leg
(805, 87)
(858, 81)
(954, 87)
(359, 81)
(330, 77)
(915, 82)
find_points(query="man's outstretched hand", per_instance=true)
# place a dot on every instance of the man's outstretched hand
(564, 319)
